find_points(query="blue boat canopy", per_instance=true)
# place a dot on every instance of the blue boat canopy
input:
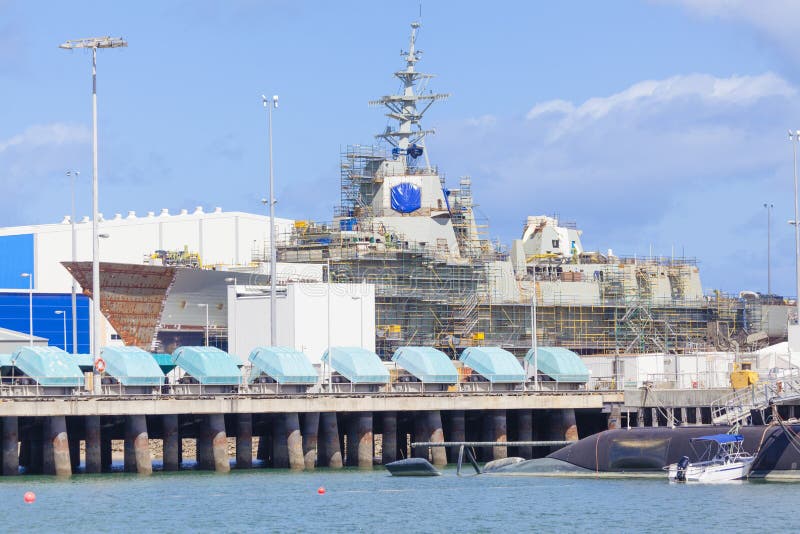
(562, 365)
(132, 366)
(208, 365)
(721, 438)
(493, 363)
(285, 365)
(426, 363)
(5, 360)
(359, 366)
(49, 366)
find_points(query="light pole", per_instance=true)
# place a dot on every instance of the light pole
(206, 331)
(94, 43)
(769, 246)
(30, 306)
(72, 175)
(63, 314)
(273, 258)
(330, 349)
(534, 341)
(795, 137)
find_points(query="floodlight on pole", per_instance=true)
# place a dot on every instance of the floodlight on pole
(273, 258)
(794, 137)
(73, 175)
(93, 43)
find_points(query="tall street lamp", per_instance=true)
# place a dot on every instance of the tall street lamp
(94, 43)
(30, 306)
(794, 136)
(769, 246)
(72, 175)
(273, 258)
(206, 330)
(63, 314)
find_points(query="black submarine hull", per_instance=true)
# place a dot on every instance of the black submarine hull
(652, 448)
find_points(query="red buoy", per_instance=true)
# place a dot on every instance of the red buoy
(321, 490)
(29, 497)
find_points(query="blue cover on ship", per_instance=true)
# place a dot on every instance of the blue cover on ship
(406, 197)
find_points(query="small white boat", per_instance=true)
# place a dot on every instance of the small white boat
(723, 460)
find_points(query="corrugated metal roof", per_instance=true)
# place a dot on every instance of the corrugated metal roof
(359, 366)
(426, 363)
(560, 364)
(208, 365)
(493, 363)
(49, 366)
(132, 366)
(285, 365)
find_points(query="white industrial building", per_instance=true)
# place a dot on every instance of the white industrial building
(311, 317)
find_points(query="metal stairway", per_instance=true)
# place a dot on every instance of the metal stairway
(737, 406)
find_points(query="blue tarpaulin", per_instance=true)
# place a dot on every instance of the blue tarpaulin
(426, 363)
(493, 363)
(49, 366)
(357, 365)
(285, 365)
(208, 365)
(132, 366)
(406, 197)
(560, 364)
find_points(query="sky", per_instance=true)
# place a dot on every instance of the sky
(656, 126)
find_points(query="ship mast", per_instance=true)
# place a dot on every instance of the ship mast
(408, 138)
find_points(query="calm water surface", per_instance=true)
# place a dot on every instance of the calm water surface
(266, 501)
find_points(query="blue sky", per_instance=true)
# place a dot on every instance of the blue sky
(650, 124)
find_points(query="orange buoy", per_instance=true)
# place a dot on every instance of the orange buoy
(321, 490)
(100, 365)
(29, 497)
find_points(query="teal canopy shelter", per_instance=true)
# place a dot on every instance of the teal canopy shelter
(426, 363)
(560, 364)
(285, 365)
(359, 366)
(132, 366)
(493, 363)
(208, 365)
(49, 366)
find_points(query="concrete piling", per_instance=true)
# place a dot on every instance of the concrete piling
(565, 425)
(244, 441)
(204, 450)
(294, 441)
(137, 446)
(458, 432)
(389, 438)
(640, 417)
(499, 433)
(421, 433)
(91, 425)
(106, 458)
(330, 452)
(365, 450)
(219, 443)
(280, 449)
(10, 446)
(525, 433)
(56, 447)
(310, 439)
(434, 427)
(654, 416)
(74, 452)
(171, 440)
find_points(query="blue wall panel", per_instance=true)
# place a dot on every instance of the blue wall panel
(16, 257)
(14, 315)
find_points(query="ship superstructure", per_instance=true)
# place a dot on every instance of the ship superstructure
(441, 282)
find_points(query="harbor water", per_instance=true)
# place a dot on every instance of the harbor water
(369, 501)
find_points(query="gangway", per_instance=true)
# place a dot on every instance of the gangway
(738, 406)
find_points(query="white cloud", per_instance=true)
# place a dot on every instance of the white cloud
(678, 161)
(650, 95)
(42, 135)
(776, 20)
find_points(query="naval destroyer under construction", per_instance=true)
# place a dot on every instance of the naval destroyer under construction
(440, 281)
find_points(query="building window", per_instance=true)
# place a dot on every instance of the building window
(116, 337)
(555, 243)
